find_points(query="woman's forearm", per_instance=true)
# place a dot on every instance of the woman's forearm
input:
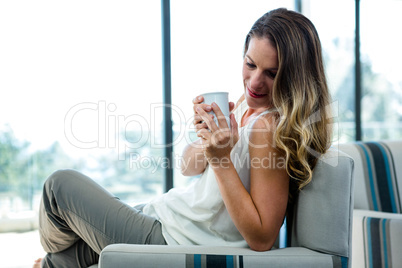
(193, 161)
(243, 211)
(257, 214)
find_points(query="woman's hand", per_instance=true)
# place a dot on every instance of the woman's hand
(194, 161)
(193, 158)
(217, 141)
(198, 122)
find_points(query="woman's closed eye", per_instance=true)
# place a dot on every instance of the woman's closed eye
(250, 65)
(270, 74)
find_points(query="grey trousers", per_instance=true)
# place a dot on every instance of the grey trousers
(78, 218)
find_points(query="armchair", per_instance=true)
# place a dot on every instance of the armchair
(319, 231)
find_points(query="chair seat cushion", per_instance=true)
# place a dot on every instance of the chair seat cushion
(123, 255)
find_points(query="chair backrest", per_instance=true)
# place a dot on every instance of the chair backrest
(322, 214)
(378, 175)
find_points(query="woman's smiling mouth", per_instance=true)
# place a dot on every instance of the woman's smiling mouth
(255, 95)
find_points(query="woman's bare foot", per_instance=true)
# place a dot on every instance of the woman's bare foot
(37, 263)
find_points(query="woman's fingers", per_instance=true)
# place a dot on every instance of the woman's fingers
(234, 128)
(231, 106)
(207, 119)
(204, 134)
(198, 103)
(200, 126)
(223, 124)
(218, 136)
(198, 121)
(205, 107)
(210, 130)
(198, 99)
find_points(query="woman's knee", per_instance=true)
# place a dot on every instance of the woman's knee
(57, 177)
(63, 179)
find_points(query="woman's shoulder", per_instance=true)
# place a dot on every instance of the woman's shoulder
(266, 121)
(261, 131)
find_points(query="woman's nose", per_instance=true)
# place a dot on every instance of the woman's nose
(256, 80)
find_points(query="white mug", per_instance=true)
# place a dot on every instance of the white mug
(222, 100)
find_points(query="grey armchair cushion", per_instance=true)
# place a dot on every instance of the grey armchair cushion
(321, 220)
(121, 255)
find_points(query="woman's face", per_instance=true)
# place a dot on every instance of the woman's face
(259, 70)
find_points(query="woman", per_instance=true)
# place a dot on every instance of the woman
(249, 171)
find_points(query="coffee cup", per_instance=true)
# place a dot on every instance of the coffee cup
(222, 100)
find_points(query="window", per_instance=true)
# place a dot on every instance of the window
(337, 38)
(80, 83)
(381, 43)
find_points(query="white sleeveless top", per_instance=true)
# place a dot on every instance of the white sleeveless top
(196, 215)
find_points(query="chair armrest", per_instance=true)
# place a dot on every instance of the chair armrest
(372, 243)
(124, 255)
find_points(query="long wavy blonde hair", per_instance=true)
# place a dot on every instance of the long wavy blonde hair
(300, 91)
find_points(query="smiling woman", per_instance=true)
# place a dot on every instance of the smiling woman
(298, 90)
(272, 119)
